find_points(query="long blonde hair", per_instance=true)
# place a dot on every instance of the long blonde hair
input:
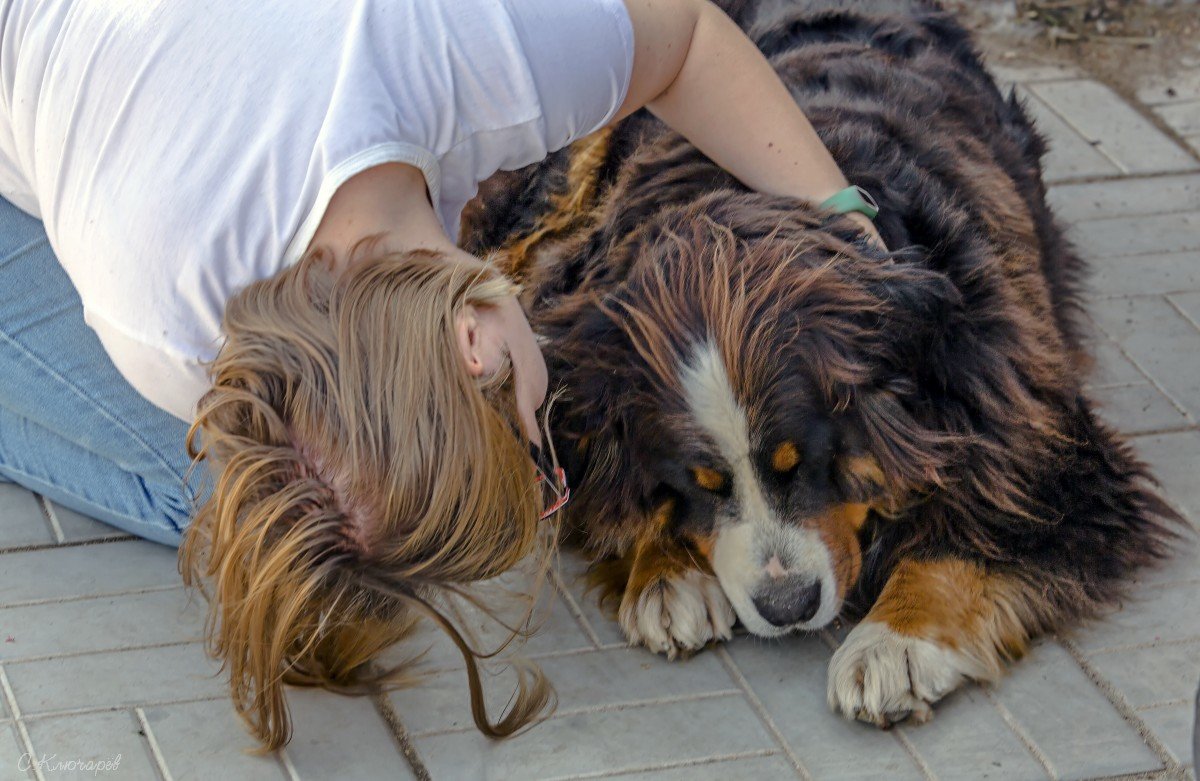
(361, 476)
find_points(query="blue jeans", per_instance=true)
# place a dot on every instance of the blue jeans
(71, 428)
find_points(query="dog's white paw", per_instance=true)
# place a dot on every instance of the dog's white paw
(679, 614)
(881, 676)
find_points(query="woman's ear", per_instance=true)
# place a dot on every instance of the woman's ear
(467, 329)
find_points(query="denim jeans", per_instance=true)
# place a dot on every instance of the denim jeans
(71, 428)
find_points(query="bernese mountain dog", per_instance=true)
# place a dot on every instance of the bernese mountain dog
(768, 420)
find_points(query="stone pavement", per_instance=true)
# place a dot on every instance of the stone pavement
(100, 653)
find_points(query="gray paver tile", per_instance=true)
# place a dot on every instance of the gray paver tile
(1153, 614)
(612, 741)
(21, 520)
(1101, 116)
(1183, 117)
(124, 678)
(205, 740)
(1069, 156)
(1135, 409)
(100, 624)
(1142, 235)
(789, 678)
(1011, 73)
(343, 738)
(1190, 304)
(88, 570)
(1158, 339)
(1173, 727)
(753, 769)
(80, 528)
(1125, 197)
(1149, 676)
(12, 768)
(93, 737)
(1112, 367)
(1144, 274)
(968, 739)
(1172, 459)
(1073, 724)
(1160, 89)
(588, 680)
(604, 624)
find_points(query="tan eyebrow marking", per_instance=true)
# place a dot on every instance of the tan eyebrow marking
(786, 457)
(708, 479)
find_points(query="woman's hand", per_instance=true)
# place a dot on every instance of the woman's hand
(698, 72)
(869, 230)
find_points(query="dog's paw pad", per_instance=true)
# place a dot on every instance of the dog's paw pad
(677, 615)
(882, 677)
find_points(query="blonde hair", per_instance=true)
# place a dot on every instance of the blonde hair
(362, 478)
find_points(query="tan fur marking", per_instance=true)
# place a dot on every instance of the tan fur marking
(708, 479)
(570, 207)
(785, 457)
(865, 469)
(839, 532)
(960, 605)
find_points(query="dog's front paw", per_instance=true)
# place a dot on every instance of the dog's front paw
(679, 614)
(881, 676)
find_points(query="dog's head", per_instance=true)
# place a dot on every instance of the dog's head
(753, 377)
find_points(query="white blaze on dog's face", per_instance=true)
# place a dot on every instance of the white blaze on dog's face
(785, 564)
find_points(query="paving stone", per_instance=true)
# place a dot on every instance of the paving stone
(119, 678)
(204, 740)
(1135, 409)
(1068, 155)
(343, 738)
(968, 739)
(1173, 727)
(589, 680)
(1180, 87)
(772, 767)
(1172, 460)
(1111, 367)
(603, 621)
(12, 754)
(1007, 74)
(1190, 304)
(789, 678)
(87, 570)
(21, 520)
(80, 528)
(1154, 614)
(1100, 116)
(1144, 235)
(100, 624)
(1125, 197)
(603, 741)
(1184, 117)
(1151, 676)
(101, 738)
(1144, 274)
(1073, 724)
(1159, 340)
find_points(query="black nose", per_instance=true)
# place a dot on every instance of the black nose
(788, 600)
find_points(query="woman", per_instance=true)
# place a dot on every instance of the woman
(241, 216)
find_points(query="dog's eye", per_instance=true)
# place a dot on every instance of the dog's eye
(785, 458)
(710, 480)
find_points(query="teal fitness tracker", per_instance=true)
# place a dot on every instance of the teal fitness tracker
(852, 199)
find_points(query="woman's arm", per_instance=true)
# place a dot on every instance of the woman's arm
(696, 70)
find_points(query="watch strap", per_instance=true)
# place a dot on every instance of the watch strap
(851, 199)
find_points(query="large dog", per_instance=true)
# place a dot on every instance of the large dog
(766, 416)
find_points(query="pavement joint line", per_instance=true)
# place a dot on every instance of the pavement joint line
(120, 706)
(433, 670)
(1187, 249)
(1026, 739)
(1150, 378)
(159, 760)
(1155, 294)
(383, 706)
(85, 597)
(922, 766)
(1070, 181)
(14, 710)
(575, 609)
(761, 711)
(1165, 704)
(289, 768)
(1145, 645)
(682, 763)
(1098, 144)
(1182, 312)
(1122, 706)
(101, 651)
(609, 708)
(44, 546)
(51, 519)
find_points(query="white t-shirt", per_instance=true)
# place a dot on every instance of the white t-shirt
(178, 150)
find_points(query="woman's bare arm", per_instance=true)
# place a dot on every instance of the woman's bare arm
(697, 71)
